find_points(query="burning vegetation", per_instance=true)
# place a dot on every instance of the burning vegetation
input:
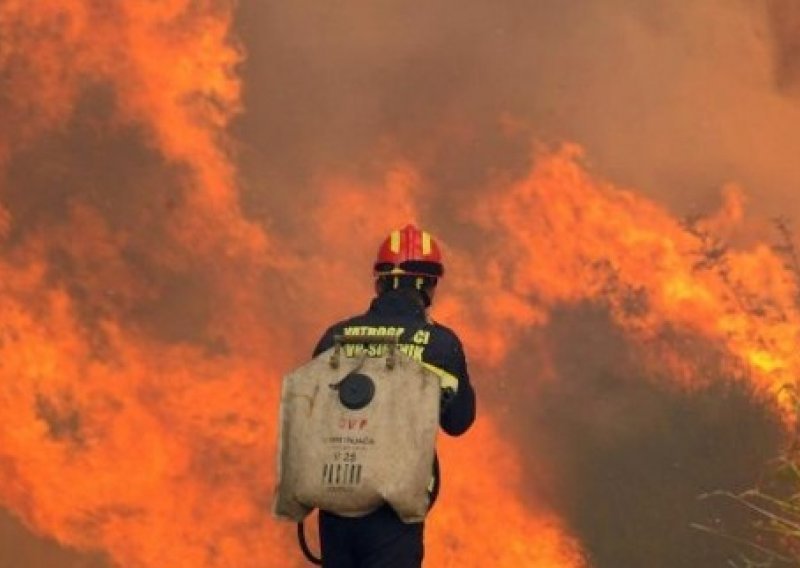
(157, 280)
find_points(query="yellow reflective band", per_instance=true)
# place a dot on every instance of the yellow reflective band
(394, 242)
(446, 380)
(426, 243)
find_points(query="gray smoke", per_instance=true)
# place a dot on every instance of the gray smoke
(627, 455)
(672, 98)
(20, 549)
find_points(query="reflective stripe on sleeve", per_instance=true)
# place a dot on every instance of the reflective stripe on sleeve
(446, 380)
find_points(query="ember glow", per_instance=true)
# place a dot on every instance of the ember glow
(147, 314)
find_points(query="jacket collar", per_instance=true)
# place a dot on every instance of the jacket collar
(402, 302)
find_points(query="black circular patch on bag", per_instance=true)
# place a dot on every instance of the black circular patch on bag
(356, 391)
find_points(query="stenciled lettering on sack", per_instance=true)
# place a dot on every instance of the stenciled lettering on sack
(351, 440)
(346, 423)
(343, 472)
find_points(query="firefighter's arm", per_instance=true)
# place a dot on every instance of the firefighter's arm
(458, 413)
(458, 396)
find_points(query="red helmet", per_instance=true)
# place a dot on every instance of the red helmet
(409, 252)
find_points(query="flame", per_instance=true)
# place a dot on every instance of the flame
(467, 532)
(158, 450)
(142, 345)
(560, 237)
(114, 438)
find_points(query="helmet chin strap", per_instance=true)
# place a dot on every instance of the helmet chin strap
(426, 299)
(420, 285)
(423, 294)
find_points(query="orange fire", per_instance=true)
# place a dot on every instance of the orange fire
(142, 347)
(561, 237)
(156, 452)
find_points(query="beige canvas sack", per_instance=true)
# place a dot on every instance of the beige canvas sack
(348, 447)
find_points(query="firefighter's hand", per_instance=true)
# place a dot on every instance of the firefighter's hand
(447, 396)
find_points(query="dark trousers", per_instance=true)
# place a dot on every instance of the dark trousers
(377, 540)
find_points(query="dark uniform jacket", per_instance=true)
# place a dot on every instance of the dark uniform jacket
(381, 539)
(400, 312)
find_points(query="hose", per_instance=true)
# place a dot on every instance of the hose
(301, 536)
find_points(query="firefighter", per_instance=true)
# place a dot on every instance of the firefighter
(407, 269)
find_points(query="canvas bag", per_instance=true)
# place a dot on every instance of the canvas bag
(349, 461)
